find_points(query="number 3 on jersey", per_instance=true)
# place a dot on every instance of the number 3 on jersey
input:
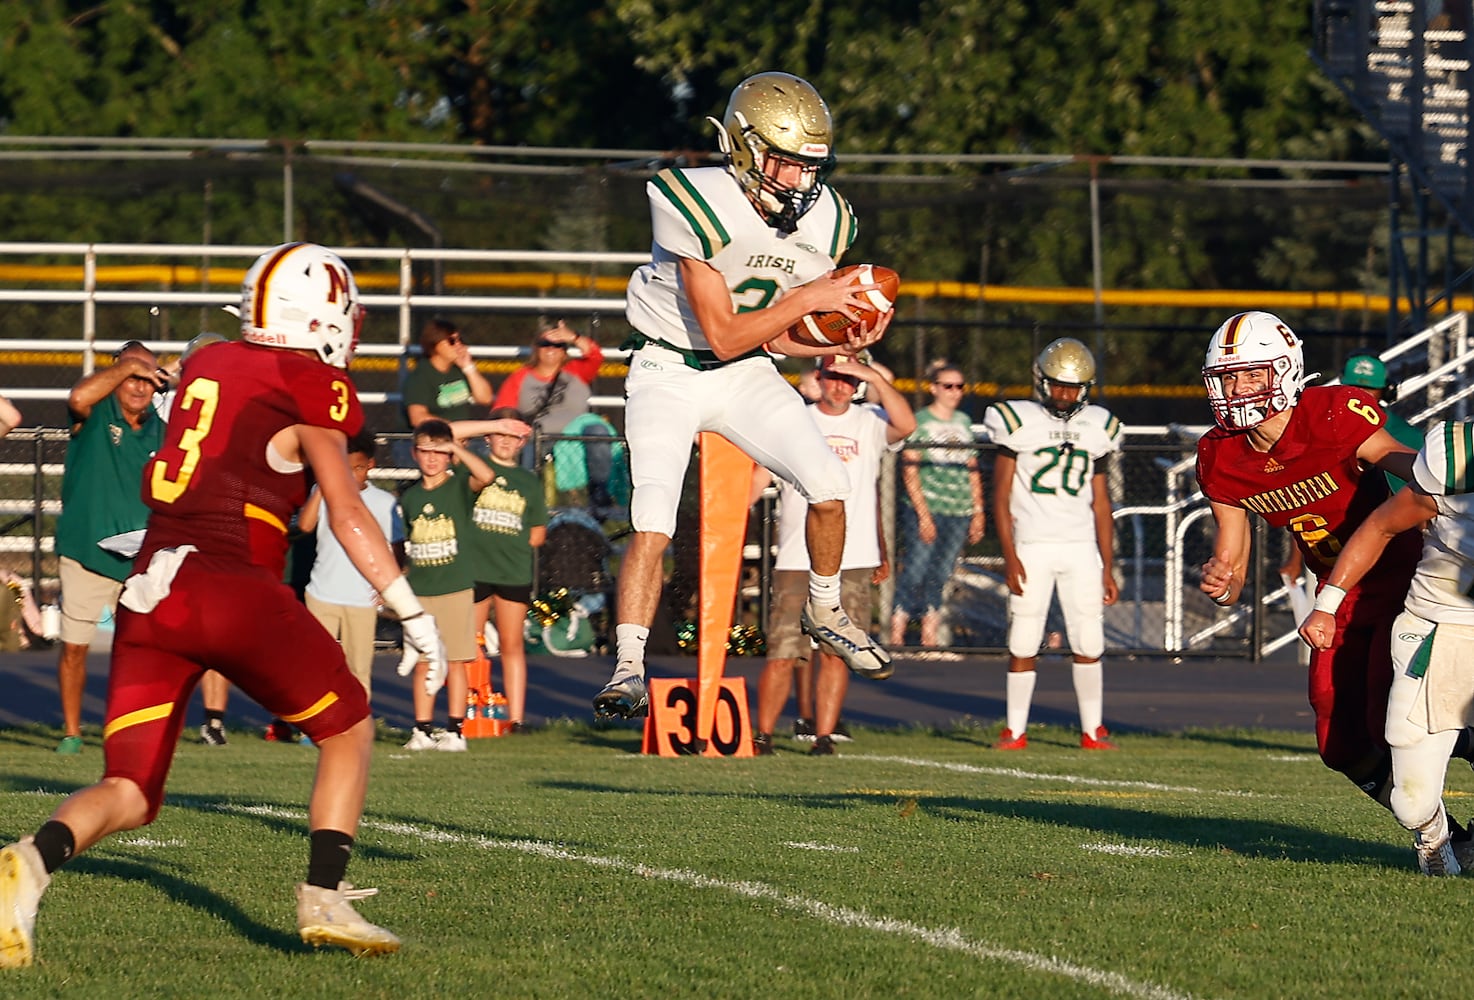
(202, 396)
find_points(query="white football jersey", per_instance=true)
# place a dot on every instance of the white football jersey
(858, 437)
(1444, 469)
(1056, 459)
(703, 214)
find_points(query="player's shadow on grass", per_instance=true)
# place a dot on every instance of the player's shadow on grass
(189, 893)
(1258, 839)
(1250, 838)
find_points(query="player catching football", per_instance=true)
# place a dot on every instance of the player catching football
(1431, 648)
(1296, 457)
(741, 252)
(249, 419)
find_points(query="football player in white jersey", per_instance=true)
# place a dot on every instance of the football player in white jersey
(740, 253)
(1433, 638)
(1053, 515)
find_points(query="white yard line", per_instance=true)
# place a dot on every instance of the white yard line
(942, 938)
(1069, 779)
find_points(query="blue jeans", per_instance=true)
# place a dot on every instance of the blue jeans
(925, 568)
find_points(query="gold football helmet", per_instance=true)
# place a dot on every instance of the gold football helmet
(1065, 363)
(773, 123)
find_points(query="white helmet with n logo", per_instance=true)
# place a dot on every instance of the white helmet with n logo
(1244, 343)
(301, 295)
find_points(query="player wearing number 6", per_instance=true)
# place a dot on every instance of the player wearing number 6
(1299, 458)
(249, 420)
(1053, 517)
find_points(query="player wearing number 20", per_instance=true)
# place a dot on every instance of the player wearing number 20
(1298, 458)
(248, 422)
(1053, 516)
(741, 253)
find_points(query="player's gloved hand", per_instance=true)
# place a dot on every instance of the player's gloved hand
(422, 642)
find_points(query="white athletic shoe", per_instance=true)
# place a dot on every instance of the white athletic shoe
(22, 880)
(1436, 859)
(420, 740)
(450, 742)
(624, 697)
(325, 916)
(832, 629)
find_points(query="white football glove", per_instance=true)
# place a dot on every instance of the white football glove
(422, 642)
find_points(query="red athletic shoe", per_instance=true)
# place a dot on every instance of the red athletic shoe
(1100, 741)
(1008, 741)
(278, 732)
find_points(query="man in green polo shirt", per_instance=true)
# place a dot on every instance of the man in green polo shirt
(115, 431)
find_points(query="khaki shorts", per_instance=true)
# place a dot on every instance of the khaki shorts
(786, 640)
(453, 615)
(354, 629)
(85, 595)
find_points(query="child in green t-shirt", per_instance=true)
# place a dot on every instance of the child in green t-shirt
(439, 550)
(509, 520)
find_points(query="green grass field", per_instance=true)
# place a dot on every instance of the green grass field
(917, 863)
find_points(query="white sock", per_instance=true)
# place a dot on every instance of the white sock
(824, 590)
(629, 646)
(1020, 696)
(1090, 693)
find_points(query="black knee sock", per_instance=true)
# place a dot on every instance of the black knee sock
(56, 845)
(328, 860)
(1377, 780)
(1464, 745)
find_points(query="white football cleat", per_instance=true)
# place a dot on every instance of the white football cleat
(1436, 859)
(325, 916)
(832, 629)
(450, 742)
(625, 696)
(23, 879)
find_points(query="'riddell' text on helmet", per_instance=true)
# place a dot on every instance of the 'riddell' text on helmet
(1246, 343)
(1068, 363)
(779, 142)
(301, 295)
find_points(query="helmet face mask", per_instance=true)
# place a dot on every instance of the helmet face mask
(778, 138)
(302, 296)
(1066, 363)
(1250, 342)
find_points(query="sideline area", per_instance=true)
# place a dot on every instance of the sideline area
(1148, 694)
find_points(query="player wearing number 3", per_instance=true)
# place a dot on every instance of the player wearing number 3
(741, 252)
(1053, 517)
(249, 420)
(1298, 457)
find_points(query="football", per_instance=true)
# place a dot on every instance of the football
(825, 329)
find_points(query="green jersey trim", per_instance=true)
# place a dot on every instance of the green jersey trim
(1011, 420)
(844, 226)
(1458, 451)
(698, 214)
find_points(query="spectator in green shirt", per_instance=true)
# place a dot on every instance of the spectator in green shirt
(115, 431)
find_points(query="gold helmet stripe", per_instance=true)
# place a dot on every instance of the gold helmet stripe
(258, 307)
(1230, 342)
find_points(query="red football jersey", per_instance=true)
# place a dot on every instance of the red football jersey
(212, 484)
(1311, 481)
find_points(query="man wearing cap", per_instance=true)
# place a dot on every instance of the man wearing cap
(1366, 371)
